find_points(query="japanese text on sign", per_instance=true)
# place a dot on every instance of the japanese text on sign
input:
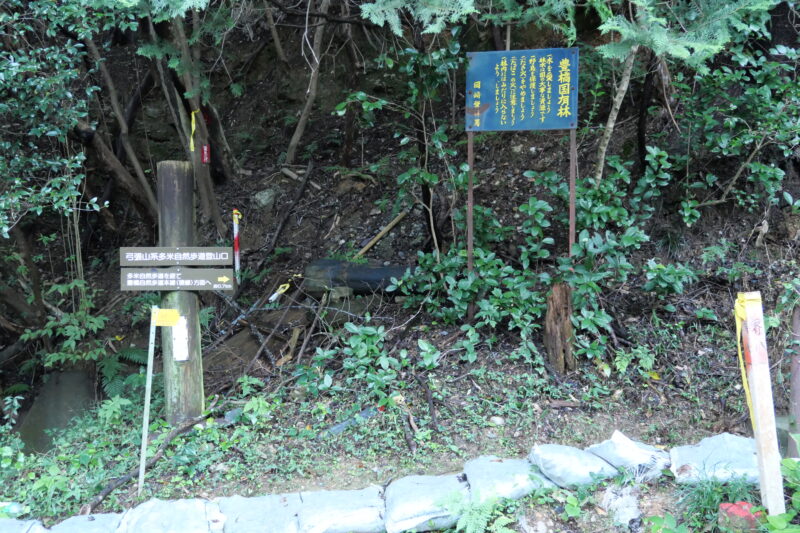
(178, 256)
(134, 257)
(522, 90)
(176, 279)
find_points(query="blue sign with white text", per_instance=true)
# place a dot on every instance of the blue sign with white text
(522, 90)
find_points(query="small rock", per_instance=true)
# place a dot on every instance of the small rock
(517, 149)
(265, 199)
(622, 503)
(497, 421)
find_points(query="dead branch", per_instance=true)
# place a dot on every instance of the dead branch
(289, 174)
(429, 398)
(320, 14)
(381, 234)
(263, 346)
(9, 353)
(412, 445)
(735, 178)
(269, 249)
(88, 508)
(311, 328)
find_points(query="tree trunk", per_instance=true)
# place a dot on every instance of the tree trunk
(313, 83)
(622, 88)
(24, 247)
(276, 39)
(350, 123)
(200, 138)
(121, 175)
(123, 126)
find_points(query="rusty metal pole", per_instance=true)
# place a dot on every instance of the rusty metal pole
(573, 174)
(183, 364)
(794, 398)
(470, 205)
(470, 199)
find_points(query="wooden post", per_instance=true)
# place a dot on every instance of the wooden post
(754, 341)
(794, 399)
(183, 365)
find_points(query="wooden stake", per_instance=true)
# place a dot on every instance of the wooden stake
(381, 234)
(754, 340)
(183, 378)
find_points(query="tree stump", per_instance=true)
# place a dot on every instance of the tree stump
(558, 328)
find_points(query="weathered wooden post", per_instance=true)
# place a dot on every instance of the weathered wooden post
(183, 365)
(750, 318)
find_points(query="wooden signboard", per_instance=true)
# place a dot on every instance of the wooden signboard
(176, 279)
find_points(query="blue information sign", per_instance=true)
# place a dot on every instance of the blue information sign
(522, 90)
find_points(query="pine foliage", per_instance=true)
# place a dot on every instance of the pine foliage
(691, 31)
(175, 8)
(434, 15)
(558, 15)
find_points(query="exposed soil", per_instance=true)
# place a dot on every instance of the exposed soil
(694, 393)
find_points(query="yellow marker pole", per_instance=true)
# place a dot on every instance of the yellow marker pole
(750, 318)
(158, 317)
(151, 348)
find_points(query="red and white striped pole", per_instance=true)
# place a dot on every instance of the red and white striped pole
(237, 215)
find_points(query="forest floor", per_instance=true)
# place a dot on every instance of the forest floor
(497, 404)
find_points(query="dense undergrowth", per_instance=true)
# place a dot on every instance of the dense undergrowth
(660, 254)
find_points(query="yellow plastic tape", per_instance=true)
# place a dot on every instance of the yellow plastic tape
(283, 288)
(740, 314)
(237, 215)
(194, 124)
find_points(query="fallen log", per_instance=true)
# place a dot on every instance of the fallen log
(324, 274)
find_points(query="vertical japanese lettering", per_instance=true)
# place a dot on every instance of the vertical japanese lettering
(564, 88)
